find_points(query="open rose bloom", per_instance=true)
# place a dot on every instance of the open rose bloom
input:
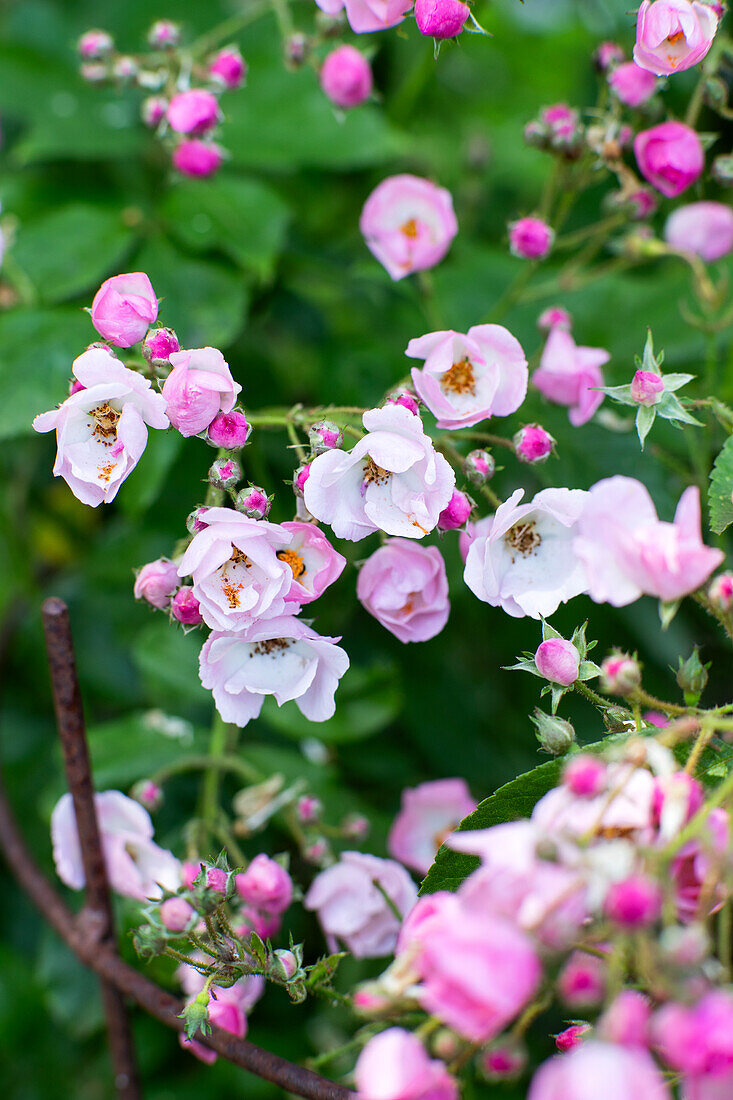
(366, 16)
(408, 224)
(571, 375)
(672, 35)
(405, 587)
(199, 387)
(428, 815)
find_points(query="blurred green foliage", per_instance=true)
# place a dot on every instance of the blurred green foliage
(266, 262)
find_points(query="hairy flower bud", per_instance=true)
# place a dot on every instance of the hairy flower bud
(692, 677)
(620, 674)
(324, 435)
(554, 734)
(228, 67)
(225, 473)
(195, 520)
(308, 809)
(533, 443)
(558, 661)
(95, 44)
(158, 345)
(284, 965)
(406, 398)
(571, 1037)
(148, 941)
(355, 827)
(479, 466)
(253, 502)
(229, 430)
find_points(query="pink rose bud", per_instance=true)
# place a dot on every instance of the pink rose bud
(571, 1037)
(670, 156)
(458, 512)
(229, 430)
(504, 1060)
(266, 925)
(704, 228)
(158, 346)
(185, 607)
(156, 582)
(530, 238)
(632, 85)
(193, 112)
(634, 903)
(317, 851)
(642, 203)
(355, 827)
(582, 981)
(75, 385)
(405, 398)
(324, 435)
(656, 718)
(558, 661)
(253, 502)
(94, 44)
(225, 473)
(197, 159)
(533, 444)
(554, 317)
(620, 674)
(408, 224)
(673, 35)
(125, 68)
(607, 54)
(216, 877)
(369, 1000)
(446, 1044)
(626, 1020)
(195, 521)
(647, 387)
(300, 477)
(441, 18)
(153, 109)
(284, 964)
(94, 72)
(266, 885)
(163, 34)
(479, 466)
(585, 775)
(176, 914)
(346, 77)
(148, 794)
(720, 592)
(228, 67)
(123, 309)
(308, 809)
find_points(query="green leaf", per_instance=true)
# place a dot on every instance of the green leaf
(131, 748)
(721, 488)
(146, 482)
(644, 420)
(168, 662)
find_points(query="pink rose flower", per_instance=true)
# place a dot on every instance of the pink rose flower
(156, 582)
(197, 159)
(626, 1020)
(199, 387)
(101, 429)
(523, 559)
(467, 378)
(604, 1071)
(346, 77)
(314, 563)
(673, 35)
(530, 239)
(365, 16)
(265, 885)
(394, 1065)
(393, 480)
(428, 814)
(670, 156)
(631, 84)
(281, 657)
(193, 112)
(136, 866)
(628, 552)
(238, 574)
(624, 807)
(441, 18)
(408, 224)
(705, 228)
(123, 309)
(228, 67)
(405, 587)
(351, 909)
(570, 375)
(558, 661)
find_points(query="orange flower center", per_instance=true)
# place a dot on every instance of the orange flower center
(459, 378)
(294, 560)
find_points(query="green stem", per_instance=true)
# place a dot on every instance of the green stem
(227, 28)
(647, 700)
(220, 732)
(204, 763)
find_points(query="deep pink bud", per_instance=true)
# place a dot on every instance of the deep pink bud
(94, 44)
(355, 827)
(346, 77)
(176, 914)
(158, 345)
(571, 1037)
(308, 809)
(554, 317)
(558, 661)
(533, 443)
(582, 982)
(253, 502)
(620, 674)
(632, 85)
(607, 54)
(479, 466)
(197, 158)
(163, 34)
(647, 387)
(229, 430)
(195, 521)
(530, 238)
(324, 435)
(457, 513)
(75, 386)
(193, 112)
(585, 775)
(316, 851)
(148, 794)
(266, 885)
(185, 607)
(642, 203)
(720, 592)
(153, 109)
(225, 473)
(634, 903)
(228, 67)
(406, 399)
(156, 582)
(503, 1060)
(441, 18)
(670, 156)
(216, 878)
(300, 477)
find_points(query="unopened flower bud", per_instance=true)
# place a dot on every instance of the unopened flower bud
(148, 794)
(153, 110)
(457, 512)
(607, 54)
(324, 435)
(715, 92)
(176, 914)
(571, 1037)
(94, 44)
(636, 902)
(554, 734)
(585, 775)
(296, 48)
(582, 981)
(692, 676)
(197, 159)
(75, 386)
(722, 170)
(346, 77)
(158, 346)
(626, 1020)
(163, 34)
(317, 851)
(209, 886)
(441, 18)
(406, 398)
(185, 607)
(228, 67)
(225, 473)
(647, 387)
(283, 965)
(253, 502)
(94, 72)
(554, 317)
(536, 134)
(620, 674)
(156, 582)
(446, 1044)
(124, 68)
(558, 661)
(720, 592)
(530, 238)
(308, 809)
(479, 466)
(195, 521)
(229, 430)
(533, 443)
(504, 1060)
(148, 941)
(370, 1000)
(355, 827)
(300, 477)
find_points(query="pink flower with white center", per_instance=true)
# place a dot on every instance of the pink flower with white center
(467, 378)
(408, 224)
(530, 239)
(670, 156)
(623, 807)
(570, 375)
(405, 587)
(123, 309)
(314, 563)
(185, 608)
(525, 562)
(394, 1065)
(601, 1071)
(352, 910)
(197, 159)
(228, 67)
(704, 228)
(365, 16)
(346, 77)
(156, 582)
(457, 513)
(136, 866)
(101, 429)
(199, 387)
(239, 573)
(193, 112)
(647, 387)
(428, 814)
(224, 1013)
(441, 18)
(628, 552)
(631, 84)
(673, 35)
(281, 657)
(626, 1020)
(554, 317)
(265, 885)
(393, 480)
(558, 661)
(582, 981)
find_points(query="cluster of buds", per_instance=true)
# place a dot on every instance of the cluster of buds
(558, 130)
(182, 104)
